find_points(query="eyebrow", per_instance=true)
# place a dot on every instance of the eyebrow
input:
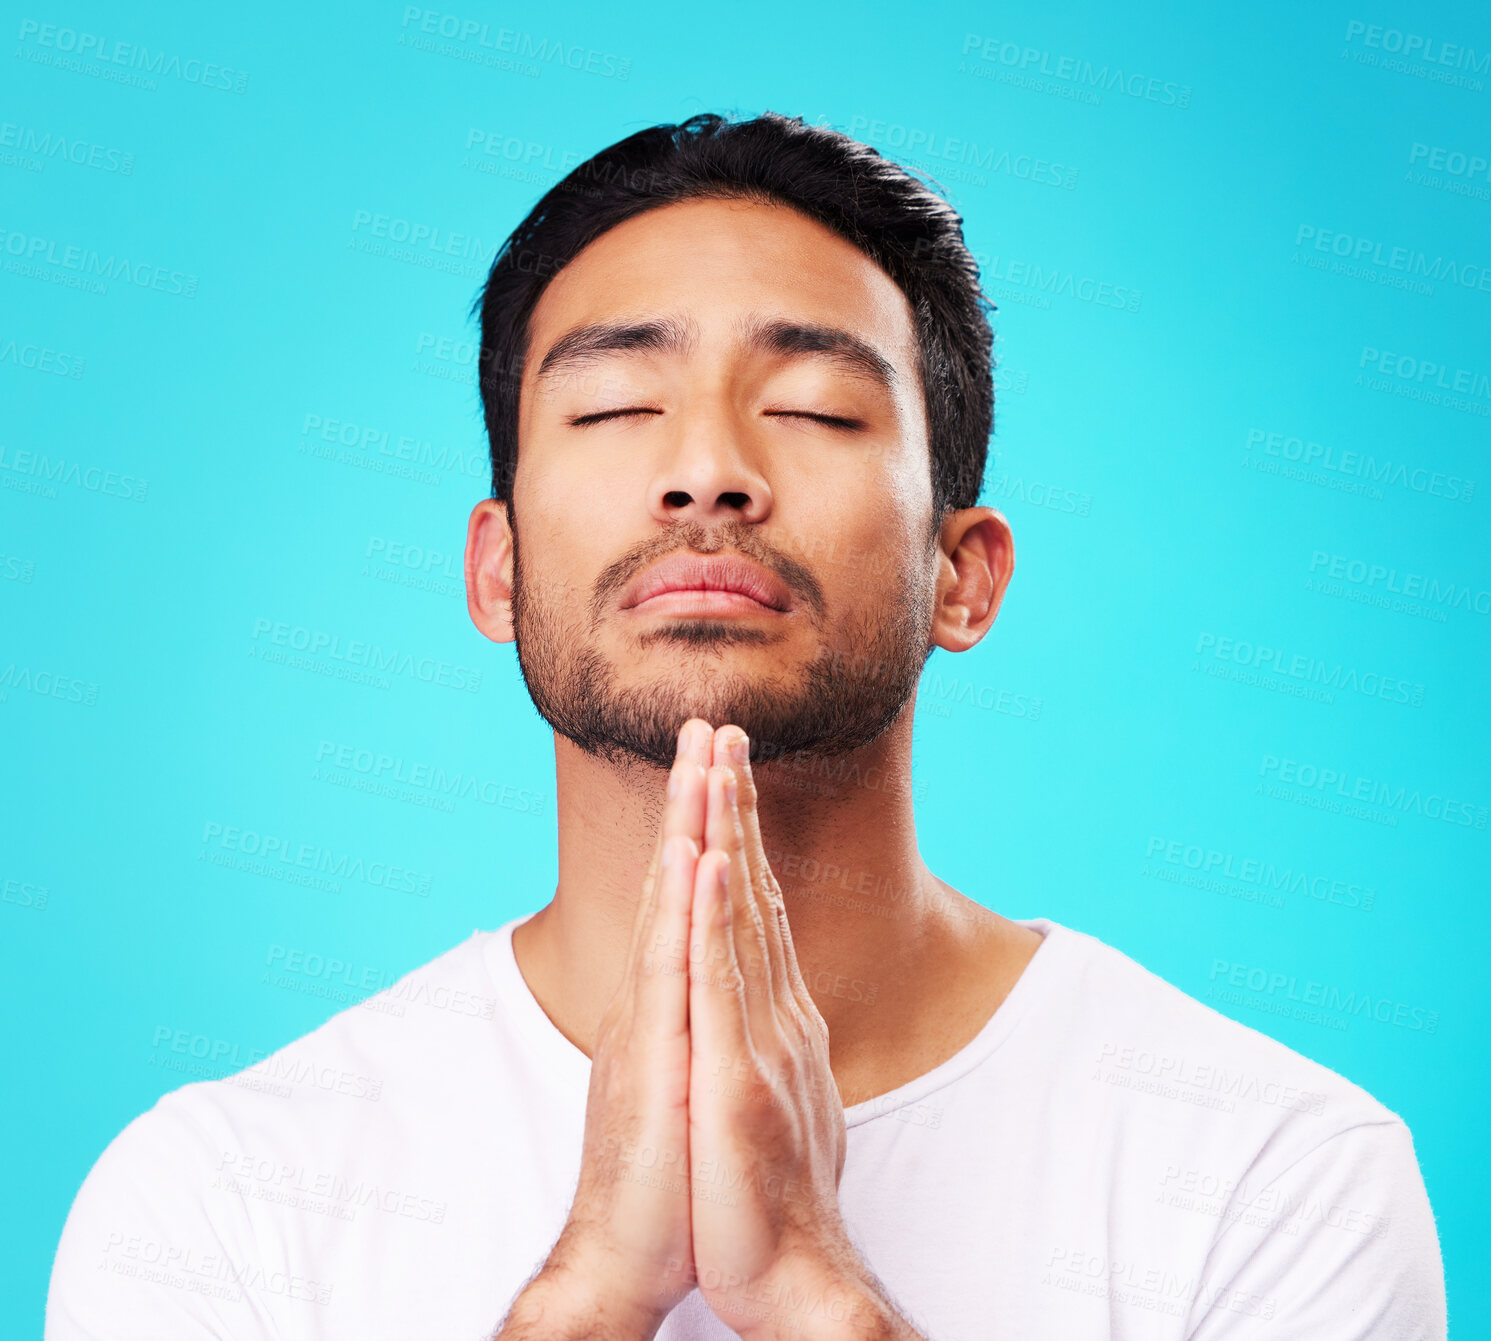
(595, 340)
(665, 335)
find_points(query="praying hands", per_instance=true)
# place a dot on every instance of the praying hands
(714, 1132)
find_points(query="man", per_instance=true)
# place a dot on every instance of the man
(754, 1069)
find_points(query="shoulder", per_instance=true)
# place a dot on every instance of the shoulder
(406, 1044)
(398, 1046)
(1307, 1176)
(169, 1217)
(1146, 1035)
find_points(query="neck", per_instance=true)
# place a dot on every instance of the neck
(868, 918)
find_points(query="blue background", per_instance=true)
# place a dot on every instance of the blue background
(1164, 256)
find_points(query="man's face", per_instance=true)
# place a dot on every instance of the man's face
(724, 381)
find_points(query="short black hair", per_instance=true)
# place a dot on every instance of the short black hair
(896, 219)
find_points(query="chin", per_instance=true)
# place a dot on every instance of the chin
(705, 635)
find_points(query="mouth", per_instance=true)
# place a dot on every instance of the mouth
(707, 584)
(702, 601)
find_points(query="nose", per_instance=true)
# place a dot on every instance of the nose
(709, 476)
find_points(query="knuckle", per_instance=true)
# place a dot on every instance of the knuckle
(804, 1030)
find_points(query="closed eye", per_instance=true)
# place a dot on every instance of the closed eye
(600, 416)
(832, 420)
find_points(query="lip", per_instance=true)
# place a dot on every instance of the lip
(717, 579)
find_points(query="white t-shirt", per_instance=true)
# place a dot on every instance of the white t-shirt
(1108, 1158)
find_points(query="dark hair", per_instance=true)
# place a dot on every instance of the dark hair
(912, 233)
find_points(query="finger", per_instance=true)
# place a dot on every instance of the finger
(673, 822)
(698, 741)
(683, 811)
(718, 1031)
(642, 921)
(723, 833)
(662, 987)
(799, 985)
(767, 894)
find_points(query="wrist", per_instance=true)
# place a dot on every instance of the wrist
(819, 1303)
(566, 1302)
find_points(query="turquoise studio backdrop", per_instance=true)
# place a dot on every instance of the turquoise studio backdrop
(1227, 721)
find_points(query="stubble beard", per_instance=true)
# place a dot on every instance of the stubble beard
(849, 694)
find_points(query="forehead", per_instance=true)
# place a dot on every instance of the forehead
(718, 260)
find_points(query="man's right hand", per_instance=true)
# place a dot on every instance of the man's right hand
(625, 1256)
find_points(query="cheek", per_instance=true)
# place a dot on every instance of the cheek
(903, 478)
(846, 538)
(560, 491)
(548, 548)
(602, 479)
(873, 501)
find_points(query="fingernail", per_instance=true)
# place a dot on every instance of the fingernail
(740, 749)
(722, 876)
(683, 739)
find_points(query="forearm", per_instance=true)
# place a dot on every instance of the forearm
(851, 1304)
(868, 1315)
(556, 1306)
(874, 1318)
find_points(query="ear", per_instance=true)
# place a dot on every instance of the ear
(976, 557)
(489, 570)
